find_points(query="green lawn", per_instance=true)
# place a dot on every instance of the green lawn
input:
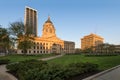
(17, 58)
(104, 62)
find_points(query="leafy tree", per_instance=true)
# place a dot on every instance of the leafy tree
(17, 29)
(5, 42)
(25, 43)
(23, 40)
(88, 50)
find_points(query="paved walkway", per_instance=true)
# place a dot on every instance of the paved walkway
(4, 75)
(53, 57)
(110, 74)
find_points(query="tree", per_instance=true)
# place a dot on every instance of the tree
(23, 40)
(17, 29)
(88, 50)
(25, 43)
(5, 42)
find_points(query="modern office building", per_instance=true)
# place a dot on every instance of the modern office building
(91, 40)
(30, 21)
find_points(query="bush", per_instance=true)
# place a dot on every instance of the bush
(4, 61)
(20, 69)
(40, 70)
(80, 68)
(100, 55)
(50, 72)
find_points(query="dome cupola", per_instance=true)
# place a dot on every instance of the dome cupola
(48, 29)
(48, 21)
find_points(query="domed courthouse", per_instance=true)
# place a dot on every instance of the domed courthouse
(48, 42)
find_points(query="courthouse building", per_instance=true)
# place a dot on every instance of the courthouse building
(91, 40)
(48, 42)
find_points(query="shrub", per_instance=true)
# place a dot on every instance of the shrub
(40, 70)
(50, 72)
(4, 61)
(21, 68)
(79, 68)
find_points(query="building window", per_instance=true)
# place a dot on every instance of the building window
(34, 47)
(34, 52)
(37, 47)
(43, 43)
(29, 51)
(41, 47)
(34, 43)
(40, 43)
(43, 51)
(37, 51)
(40, 51)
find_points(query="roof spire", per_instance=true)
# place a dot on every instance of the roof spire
(48, 18)
(48, 21)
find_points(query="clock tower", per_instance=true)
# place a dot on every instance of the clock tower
(48, 29)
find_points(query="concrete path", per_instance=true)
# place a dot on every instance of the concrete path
(53, 57)
(4, 75)
(110, 74)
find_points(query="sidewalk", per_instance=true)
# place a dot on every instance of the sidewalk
(110, 74)
(4, 75)
(53, 57)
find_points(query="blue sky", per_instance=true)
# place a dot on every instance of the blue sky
(72, 19)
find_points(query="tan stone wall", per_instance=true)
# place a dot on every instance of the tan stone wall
(91, 41)
(50, 43)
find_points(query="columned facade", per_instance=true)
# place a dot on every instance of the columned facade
(49, 42)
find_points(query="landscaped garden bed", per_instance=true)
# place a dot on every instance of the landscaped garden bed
(40, 70)
(67, 67)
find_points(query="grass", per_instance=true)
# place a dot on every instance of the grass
(104, 62)
(17, 58)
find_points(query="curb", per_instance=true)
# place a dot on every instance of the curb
(101, 73)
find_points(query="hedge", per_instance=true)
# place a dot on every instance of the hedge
(40, 70)
(4, 61)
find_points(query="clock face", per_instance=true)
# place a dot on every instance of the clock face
(48, 30)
